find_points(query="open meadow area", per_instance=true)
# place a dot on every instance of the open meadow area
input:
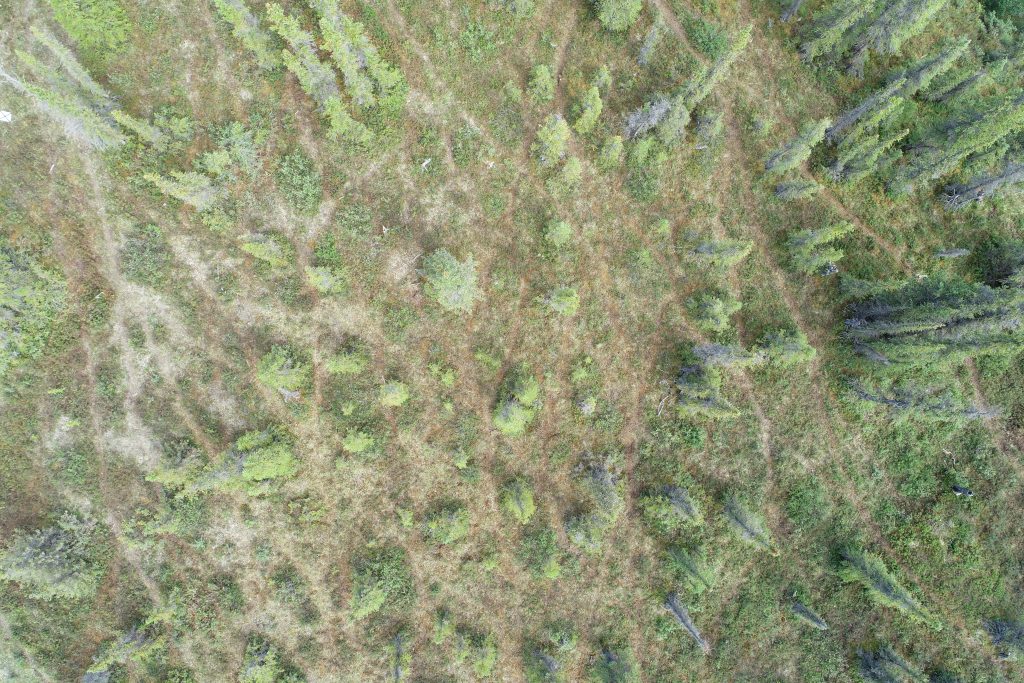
(601, 341)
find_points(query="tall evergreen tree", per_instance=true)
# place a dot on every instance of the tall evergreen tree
(960, 195)
(246, 28)
(797, 150)
(898, 22)
(937, 315)
(827, 32)
(975, 135)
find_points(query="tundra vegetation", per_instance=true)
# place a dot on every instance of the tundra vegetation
(508, 340)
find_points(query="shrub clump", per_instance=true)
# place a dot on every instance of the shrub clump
(55, 563)
(380, 579)
(518, 402)
(450, 282)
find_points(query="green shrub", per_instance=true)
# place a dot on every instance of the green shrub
(347, 362)
(58, 562)
(31, 299)
(518, 401)
(478, 650)
(358, 442)
(552, 141)
(300, 182)
(447, 524)
(610, 155)
(265, 455)
(542, 84)
(280, 369)
(394, 394)
(517, 500)
(98, 26)
(564, 301)
(327, 280)
(558, 233)
(380, 579)
(539, 552)
(567, 181)
(618, 15)
(145, 256)
(450, 282)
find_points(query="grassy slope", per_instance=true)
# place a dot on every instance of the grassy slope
(142, 366)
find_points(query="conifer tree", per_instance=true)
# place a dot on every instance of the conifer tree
(868, 570)
(808, 616)
(55, 562)
(797, 150)
(31, 301)
(748, 525)
(924, 404)
(725, 356)
(88, 87)
(450, 282)
(246, 28)
(898, 22)
(827, 32)
(682, 616)
(856, 157)
(192, 188)
(711, 312)
(71, 97)
(978, 189)
(722, 254)
(699, 393)
(919, 75)
(937, 315)
(1007, 634)
(588, 111)
(785, 348)
(618, 15)
(812, 251)
(672, 128)
(552, 141)
(885, 666)
(791, 190)
(645, 119)
(701, 86)
(869, 111)
(691, 568)
(143, 130)
(369, 79)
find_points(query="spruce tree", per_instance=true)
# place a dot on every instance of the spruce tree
(868, 570)
(898, 22)
(971, 137)
(978, 189)
(827, 32)
(797, 150)
(748, 525)
(885, 666)
(682, 617)
(588, 111)
(935, 316)
(246, 28)
(697, 90)
(800, 188)
(812, 252)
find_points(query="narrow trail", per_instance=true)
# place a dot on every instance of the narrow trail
(560, 61)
